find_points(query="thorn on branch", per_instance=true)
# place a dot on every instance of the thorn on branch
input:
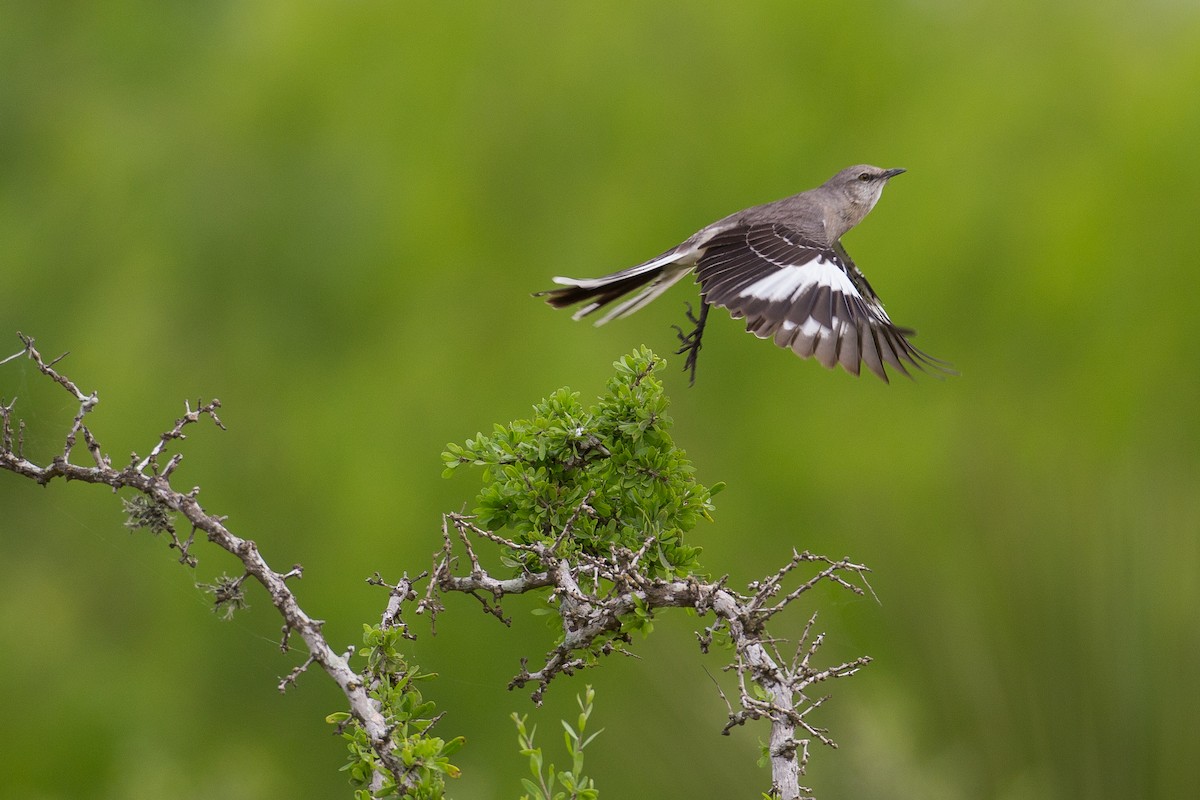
(88, 401)
(93, 447)
(16, 355)
(185, 555)
(293, 676)
(492, 608)
(189, 417)
(172, 465)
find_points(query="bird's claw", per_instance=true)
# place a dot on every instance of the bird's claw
(690, 342)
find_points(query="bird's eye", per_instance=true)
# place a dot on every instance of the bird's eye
(864, 176)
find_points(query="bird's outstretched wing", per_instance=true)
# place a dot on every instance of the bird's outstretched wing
(807, 297)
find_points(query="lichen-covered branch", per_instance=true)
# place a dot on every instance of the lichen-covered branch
(588, 509)
(156, 500)
(597, 599)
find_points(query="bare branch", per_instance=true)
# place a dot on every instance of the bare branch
(595, 596)
(600, 595)
(398, 594)
(159, 500)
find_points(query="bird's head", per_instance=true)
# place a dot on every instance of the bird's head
(862, 185)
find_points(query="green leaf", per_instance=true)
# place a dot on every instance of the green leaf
(588, 740)
(537, 471)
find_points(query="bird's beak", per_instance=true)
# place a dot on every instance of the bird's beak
(891, 173)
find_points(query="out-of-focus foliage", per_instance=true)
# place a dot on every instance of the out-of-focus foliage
(331, 216)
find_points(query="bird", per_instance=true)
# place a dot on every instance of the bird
(783, 268)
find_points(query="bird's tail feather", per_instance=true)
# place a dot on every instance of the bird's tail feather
(656, 275)
(664, 280)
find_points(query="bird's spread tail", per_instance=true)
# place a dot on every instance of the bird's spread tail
(653, 278)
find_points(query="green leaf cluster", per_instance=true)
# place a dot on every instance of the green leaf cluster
(610, 472)
(548, 783)
(426, 758)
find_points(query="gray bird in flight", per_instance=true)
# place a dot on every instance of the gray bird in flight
(782, 266)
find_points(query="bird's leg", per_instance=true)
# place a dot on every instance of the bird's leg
(691, 341)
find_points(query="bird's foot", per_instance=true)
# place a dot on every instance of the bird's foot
(690, 342)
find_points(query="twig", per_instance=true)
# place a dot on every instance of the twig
(155, 486)
(594, 596)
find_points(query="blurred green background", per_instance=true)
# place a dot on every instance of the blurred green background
(331, 215)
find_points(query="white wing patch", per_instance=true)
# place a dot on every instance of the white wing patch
(811, 326)
(806, 296)
(790, 282)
